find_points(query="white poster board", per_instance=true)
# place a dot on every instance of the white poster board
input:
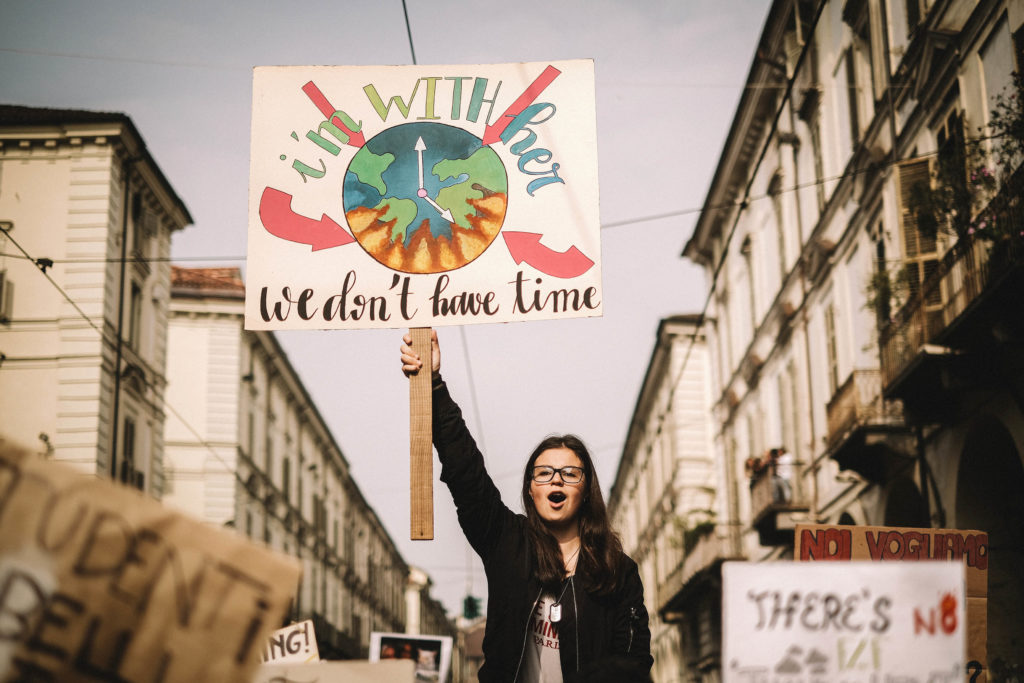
(293, 643)
(432, 655)
(851, 621)
(420, 196)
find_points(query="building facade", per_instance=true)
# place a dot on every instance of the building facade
(87, 218)
(246, 447)
(663, 501)
(862, 241)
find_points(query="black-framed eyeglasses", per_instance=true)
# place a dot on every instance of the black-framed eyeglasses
(542, 474)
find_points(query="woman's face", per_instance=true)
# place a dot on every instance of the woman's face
(556, 502)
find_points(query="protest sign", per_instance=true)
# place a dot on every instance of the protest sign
(100, 582)
(292, 644)
(906, 544)
(393, 671)
(431, 654)
(420, 196)
(855, 622)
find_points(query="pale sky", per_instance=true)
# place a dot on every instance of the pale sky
(668, 77)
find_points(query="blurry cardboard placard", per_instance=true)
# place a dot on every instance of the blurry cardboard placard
(816, 542)
(295, 643)
(422, 195)
(856, 622)
(100, 582)
(393, 671)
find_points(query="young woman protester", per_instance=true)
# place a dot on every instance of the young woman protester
(564, 603)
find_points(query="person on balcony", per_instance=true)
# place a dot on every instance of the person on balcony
(780, 464)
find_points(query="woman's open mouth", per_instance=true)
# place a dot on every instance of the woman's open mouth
(556, 497)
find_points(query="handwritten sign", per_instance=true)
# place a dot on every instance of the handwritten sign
(294, 643)
(420, 196)
(99, 582)
(854, 622)
(815, 542)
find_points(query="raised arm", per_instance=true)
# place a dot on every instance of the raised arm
(482, 515)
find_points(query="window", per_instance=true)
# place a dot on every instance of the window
(135, 316)
(920, 256)
(997, 60)
(286, 478)
(852, 95)
(269, 448)
(129, 474)
(794, 407)
(6, 297)
(747, 249)
(832, 349)
(775, 192)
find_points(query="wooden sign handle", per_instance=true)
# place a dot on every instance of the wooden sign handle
(421, 455)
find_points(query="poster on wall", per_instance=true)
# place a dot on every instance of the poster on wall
(858, 622)
(420, 196)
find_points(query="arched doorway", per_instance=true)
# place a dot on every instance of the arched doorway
(990, 497)
(904, 504)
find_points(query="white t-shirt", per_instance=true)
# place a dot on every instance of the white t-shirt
(540, 657)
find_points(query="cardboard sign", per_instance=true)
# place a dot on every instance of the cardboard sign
(905, 544)
(421, 196)
(432, 655)
(99, 582)
(337, 672)
(292, 644)
(854, 622)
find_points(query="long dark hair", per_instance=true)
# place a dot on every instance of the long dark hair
(600, 547)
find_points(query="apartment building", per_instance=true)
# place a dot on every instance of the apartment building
(247, 448)
(663, 500)
(86, 219)
(862, 243)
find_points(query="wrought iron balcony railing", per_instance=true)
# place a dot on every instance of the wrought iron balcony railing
(963, 274)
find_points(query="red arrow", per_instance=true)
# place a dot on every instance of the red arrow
(526, 246)
(355, 138)
(493, 132)
(279, 220)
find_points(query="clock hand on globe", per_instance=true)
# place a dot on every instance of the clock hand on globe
(445, 213)
(422, 191)
(420, 146)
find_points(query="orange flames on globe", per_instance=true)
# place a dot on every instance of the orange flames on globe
(424, 252)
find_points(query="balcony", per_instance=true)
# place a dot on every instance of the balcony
(774, 518)
(698, 571)
(941, 341)
(866, 432)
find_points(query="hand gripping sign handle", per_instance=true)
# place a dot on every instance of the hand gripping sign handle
(421, 457)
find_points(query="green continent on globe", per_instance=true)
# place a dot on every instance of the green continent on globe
(483, 168)
(369, 168)
(402, 211)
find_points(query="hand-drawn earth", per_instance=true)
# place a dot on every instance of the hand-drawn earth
(427, 215)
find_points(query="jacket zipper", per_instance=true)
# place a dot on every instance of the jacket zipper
(526, 633)
(632, 621)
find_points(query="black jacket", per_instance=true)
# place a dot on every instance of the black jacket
(602, 638)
